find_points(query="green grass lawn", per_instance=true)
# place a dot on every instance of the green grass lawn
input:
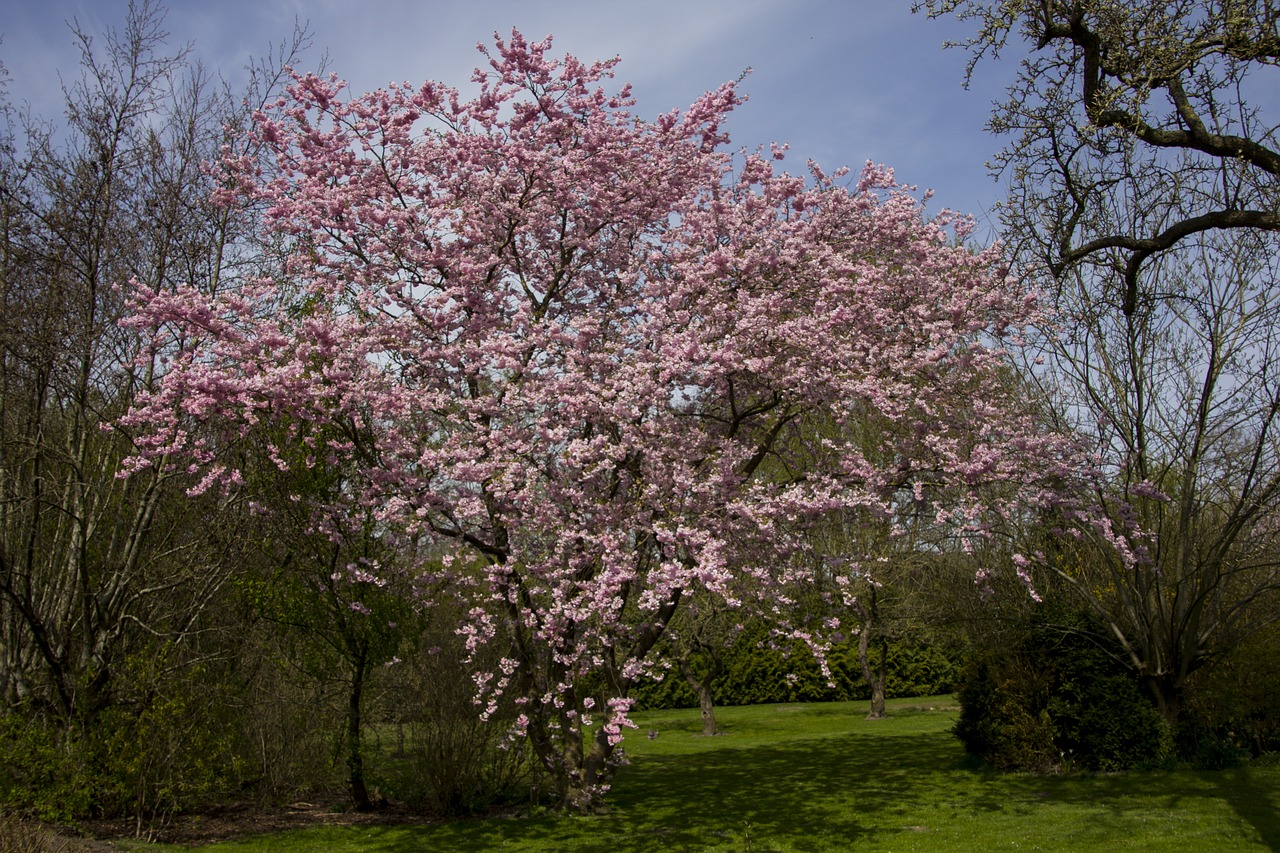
(823, 778)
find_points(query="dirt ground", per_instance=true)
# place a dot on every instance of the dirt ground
(99, 836)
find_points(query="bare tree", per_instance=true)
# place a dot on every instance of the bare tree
(91, 565)
(1139, 127)
(1144, 175)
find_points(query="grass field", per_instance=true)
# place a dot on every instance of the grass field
(818, 778)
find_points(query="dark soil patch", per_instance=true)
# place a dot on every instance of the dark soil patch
(228, 823)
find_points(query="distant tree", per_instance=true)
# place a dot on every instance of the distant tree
(563, 340)
(699, 638)
(1144, 176)
(869, 562)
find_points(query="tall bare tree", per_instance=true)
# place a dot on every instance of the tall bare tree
(1143, 165)
(114, 199)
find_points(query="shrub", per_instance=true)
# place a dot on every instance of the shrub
(446, 761)
(163, 748)
(286, 727)
(1207, 745)
(169, 754)
(45, 769)
(1101, 718)
(1052, 695)
(1004, 716)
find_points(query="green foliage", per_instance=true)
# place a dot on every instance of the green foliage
(45, 770)
(165, 747)
(760, 670)
(169, 754)
(1102, 719)
(1053, 697)
(1206, 745)
(914, 667)
(1231, 714)
(1004, 715)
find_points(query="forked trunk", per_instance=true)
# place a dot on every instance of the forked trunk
(579, 770)
(702, 687)
(1167, 695)
(596, 773)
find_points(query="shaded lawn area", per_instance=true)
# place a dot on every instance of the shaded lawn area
(822, 778)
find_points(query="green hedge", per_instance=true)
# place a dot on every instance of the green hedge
(760, 671)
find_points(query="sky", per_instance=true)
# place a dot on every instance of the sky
(841, 81)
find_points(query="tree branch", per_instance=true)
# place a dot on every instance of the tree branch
(1144, 247)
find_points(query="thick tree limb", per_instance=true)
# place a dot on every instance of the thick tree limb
(1144, 247)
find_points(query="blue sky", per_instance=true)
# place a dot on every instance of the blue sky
(841, 81)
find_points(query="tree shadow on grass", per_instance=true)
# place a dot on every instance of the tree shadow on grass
(1121, 801)
(870, 789)
(732, 798)
(835, 787)
(1253, 802)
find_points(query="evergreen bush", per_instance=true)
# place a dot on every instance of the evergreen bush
(763, 670)
(1055, 696)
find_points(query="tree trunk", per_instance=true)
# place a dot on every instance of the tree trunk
(878, 684)
(1167, 695)
(355, 751)
(874, 677)
(703, 688)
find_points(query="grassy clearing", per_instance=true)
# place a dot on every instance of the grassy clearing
(818, 778)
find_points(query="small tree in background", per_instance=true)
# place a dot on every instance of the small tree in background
(698, 641)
